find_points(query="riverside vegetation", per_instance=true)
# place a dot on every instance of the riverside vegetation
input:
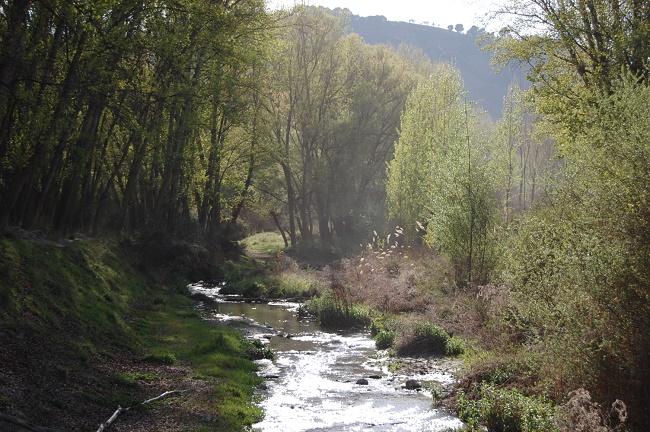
(92, 324)
(141, 141)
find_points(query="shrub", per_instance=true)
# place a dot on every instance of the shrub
(384, 339)
(422, 338)
(336, 314)
(506, 410)
(455, 346)
(258, 351)
(581, 414)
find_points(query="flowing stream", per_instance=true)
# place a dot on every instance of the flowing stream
(312, 383)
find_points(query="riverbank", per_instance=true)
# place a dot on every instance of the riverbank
(89, 325)
(331, 380)
(407, 297)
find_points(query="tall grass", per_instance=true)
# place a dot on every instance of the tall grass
(333, 313)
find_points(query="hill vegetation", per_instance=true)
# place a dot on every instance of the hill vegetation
(486, 83)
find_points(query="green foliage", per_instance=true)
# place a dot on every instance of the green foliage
(421, 337)
(441, 177)
(455, 346)
(333, 313)
(524, 155)
(257, 351)
(384, 339)
(506, 410)
(579, 269)
(129, 103)
(577, 44)
(331, 143)
(76, 292)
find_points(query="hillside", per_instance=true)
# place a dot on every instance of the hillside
(484, 84)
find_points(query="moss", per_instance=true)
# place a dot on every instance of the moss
(163, 358)
(213, 352)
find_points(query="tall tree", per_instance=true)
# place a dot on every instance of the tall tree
(441, 176)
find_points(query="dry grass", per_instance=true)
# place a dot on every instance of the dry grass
(417, 284)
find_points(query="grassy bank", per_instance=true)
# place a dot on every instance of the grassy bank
(267, 271)
(276, 278)
(88, 325)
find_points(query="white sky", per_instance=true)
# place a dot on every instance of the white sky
(440, 12)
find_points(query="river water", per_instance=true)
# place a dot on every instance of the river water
(312, 383)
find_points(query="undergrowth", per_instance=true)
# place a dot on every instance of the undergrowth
(506, 410)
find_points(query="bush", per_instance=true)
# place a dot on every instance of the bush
(422, 338)
(506, 410)
(258, 351)
(455, 346)
(581, 414)
(579, 269)
(384, 339)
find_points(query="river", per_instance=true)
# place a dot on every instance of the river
(311, 385)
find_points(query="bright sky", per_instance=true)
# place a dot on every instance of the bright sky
(440, 12)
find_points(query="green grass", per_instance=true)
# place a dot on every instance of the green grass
(408, 337)
(160, 358)
(455, 346)
(255, 279)
(84, 287)
(293, 285)
(214, 352)
(384, 339)
(267, 243)
(86, 301)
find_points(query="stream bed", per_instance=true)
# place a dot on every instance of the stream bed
(311, 385)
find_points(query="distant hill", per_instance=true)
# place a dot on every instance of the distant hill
(484, 84)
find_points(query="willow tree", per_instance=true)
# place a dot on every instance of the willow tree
(441, 177)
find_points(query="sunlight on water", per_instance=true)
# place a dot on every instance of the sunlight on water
(311, 384)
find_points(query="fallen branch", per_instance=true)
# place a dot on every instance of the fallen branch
(104, 426)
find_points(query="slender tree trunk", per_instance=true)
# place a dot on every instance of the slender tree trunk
(277, 224)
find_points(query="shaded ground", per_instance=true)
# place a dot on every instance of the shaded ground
(84, 330)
